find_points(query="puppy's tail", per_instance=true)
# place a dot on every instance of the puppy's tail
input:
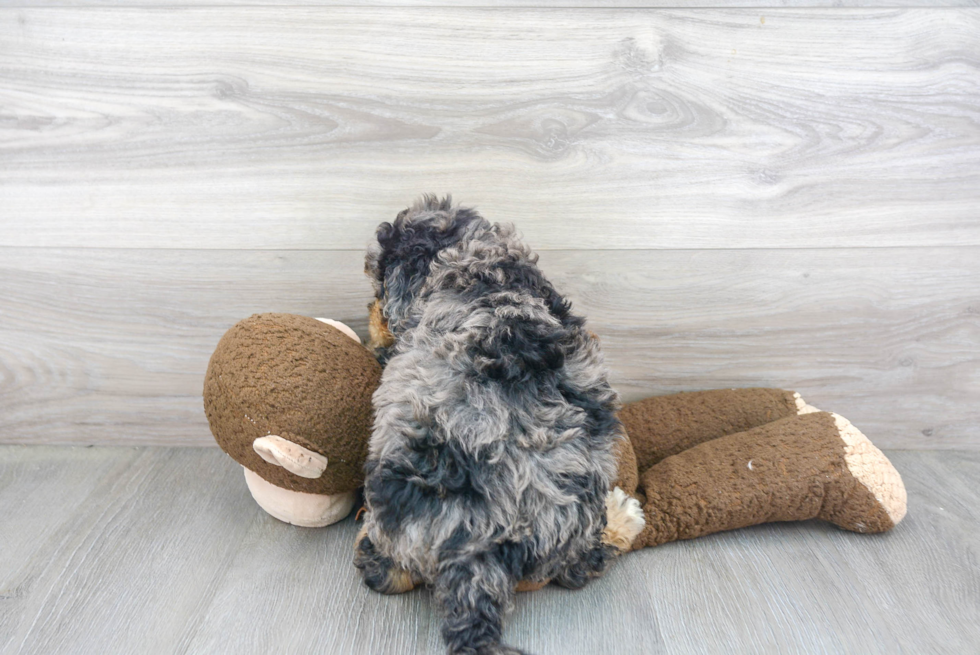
(475, 592)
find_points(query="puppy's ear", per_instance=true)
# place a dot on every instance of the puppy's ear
(373, 262)
(389, 237)
(398, 263)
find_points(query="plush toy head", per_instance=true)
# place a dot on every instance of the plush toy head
(289, 398)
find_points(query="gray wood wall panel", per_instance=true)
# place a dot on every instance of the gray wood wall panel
(734, 197)
(112, 550)
(591, 128)
(110, 346)
(625, 4)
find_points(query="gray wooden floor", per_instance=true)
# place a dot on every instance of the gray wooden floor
(161, 550)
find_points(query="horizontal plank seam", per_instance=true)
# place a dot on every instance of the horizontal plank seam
(135, 445)
(341, 250)
(749, 7)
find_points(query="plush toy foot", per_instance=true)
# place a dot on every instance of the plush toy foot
(811, 465)
(297, 507)
(624, 520)
(880, 488)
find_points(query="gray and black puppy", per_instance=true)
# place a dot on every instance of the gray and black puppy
(491, 457)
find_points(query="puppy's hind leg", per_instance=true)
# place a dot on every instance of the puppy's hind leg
(624, 522)
(381, 574)
(475, 592)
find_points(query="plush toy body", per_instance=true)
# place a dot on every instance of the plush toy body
(289, 398)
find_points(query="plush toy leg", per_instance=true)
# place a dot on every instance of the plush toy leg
(662, 426)
(813, 465)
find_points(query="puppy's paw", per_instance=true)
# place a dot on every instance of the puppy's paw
(527, 585)
(624, 520)
(381, 574)
(499, 649)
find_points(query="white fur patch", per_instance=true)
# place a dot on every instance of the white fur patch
(624, 520)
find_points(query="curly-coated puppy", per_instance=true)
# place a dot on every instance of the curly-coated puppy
(492, 454)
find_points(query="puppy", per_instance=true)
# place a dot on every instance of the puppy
(491, 456)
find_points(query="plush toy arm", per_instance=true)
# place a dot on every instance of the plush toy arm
(813, 465)
(662, 426)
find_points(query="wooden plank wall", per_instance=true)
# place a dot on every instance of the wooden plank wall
(734, 197)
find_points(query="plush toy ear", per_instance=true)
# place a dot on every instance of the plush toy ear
(291, 456)
(340, 326)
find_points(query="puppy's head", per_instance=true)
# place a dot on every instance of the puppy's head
(398, 262)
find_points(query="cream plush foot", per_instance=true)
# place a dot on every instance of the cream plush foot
(802, 407)
(871, 468)
(869, 465)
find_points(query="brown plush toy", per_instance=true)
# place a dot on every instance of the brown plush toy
(289, 398)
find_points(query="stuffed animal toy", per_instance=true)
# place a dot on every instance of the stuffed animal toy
(289, 398)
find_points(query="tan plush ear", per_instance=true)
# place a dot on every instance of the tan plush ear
(340, 326)
(291, 456)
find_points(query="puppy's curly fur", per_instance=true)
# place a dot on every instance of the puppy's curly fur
(492, 451)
